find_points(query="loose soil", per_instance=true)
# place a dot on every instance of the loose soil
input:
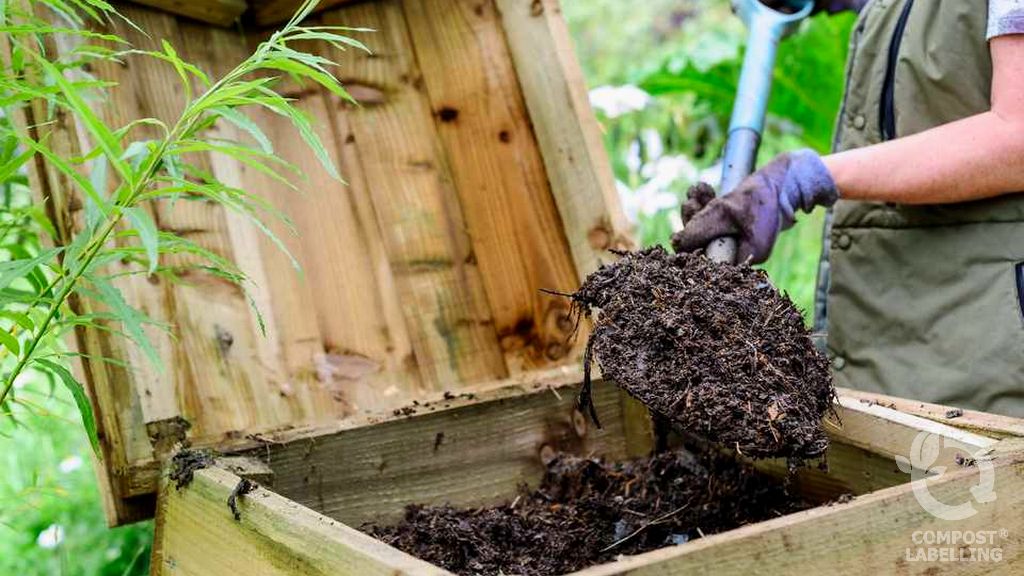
(712, 347)
(587, 512)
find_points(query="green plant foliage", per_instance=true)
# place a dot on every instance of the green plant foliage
(807, 80)
(51, 517)
(692, 74)
(119, 176)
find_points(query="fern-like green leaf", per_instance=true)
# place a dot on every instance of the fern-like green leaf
(81, 400)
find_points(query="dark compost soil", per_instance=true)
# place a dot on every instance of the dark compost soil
(587, 512)
(712, 347)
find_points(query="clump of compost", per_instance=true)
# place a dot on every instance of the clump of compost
(714, 348)
(587, 511)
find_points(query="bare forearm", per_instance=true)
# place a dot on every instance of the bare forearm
(978, 157)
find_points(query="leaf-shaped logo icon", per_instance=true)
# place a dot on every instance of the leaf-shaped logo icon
(925, 451)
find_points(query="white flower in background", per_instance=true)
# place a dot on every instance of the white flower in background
(51, 537)
(675, 220)
(644, 200)
(652, 143)
(711, 175)
(614, 101)
(665, 171)
(70, 464)
(633, 160)
(658, 192)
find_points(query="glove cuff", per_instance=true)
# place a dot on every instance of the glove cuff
(807, 184)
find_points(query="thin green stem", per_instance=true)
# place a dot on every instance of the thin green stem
(184, 125)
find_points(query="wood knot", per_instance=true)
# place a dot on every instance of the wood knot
(224, 339)
(555, 351)
(365, 94)
(600, 237)
(448, 114)
(579, 423)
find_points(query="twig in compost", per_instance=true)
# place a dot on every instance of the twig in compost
(585, 399)
(654, 522)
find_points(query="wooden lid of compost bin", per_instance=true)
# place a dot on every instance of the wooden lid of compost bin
(476, 177)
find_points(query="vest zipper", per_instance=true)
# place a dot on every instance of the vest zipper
(887, 118)
(1018, 274)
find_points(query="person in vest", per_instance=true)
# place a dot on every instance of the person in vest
(925, 248)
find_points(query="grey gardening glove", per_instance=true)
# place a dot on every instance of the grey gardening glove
(764, 204)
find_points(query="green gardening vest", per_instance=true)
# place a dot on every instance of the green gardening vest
(924, 302)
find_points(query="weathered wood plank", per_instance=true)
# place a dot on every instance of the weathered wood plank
(891, 433)
(418, 213)
(354, 343)
(850, 470)
(218, 12)
(566, 130)
(476, 454)
(270, 12)
(868, 536)
(386, 318)
(196, 534)
(513, 223)
(982, 422)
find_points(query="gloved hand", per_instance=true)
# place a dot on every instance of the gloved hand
(759, 208)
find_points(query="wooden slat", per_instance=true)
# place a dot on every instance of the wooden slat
(981, 422)
(266, 13)
(868, 536)
(355, 343)
(444, 305)
(851, 470)
(891, 433)
(476, 454)
(196, 534)
(217, 12)
(510, 214)
(566, 130)
(221, 376)
(148, 390)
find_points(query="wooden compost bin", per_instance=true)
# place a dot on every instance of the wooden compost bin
(416, 360)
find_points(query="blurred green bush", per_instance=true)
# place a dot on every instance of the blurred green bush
(51, 517)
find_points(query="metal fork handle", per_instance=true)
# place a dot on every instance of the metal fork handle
(767, 27)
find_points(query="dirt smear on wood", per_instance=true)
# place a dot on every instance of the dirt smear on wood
(184, 465)
(587, 512)
(715, 348)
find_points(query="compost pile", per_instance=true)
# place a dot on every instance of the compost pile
(712, 347)
(587, 512)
